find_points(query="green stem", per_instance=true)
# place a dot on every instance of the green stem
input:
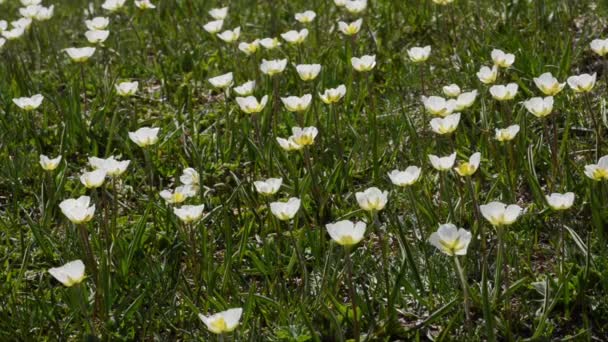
(465, 291)
(352, 293)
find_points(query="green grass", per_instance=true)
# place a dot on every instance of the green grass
(155, 274)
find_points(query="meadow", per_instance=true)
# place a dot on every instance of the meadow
(322, 170)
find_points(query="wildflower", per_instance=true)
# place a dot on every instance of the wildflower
(189, 213)
(598, 171)
(250, 104)
(222, 322)
(180, 194)
(304, 136)
(599, 46)
(465, 100)
(273, 67)
(219, 13)
(499, 214)
(222, 81)
(503, 93)
(270, 43)
(501, 59)
(333, 95)
(80, 55)
(308, 72)
(559, 201)
(269, 186)
(405, 178)
(245, 89)
(539, 107)
(438, 106)
(93, 179)
(97, 36)
(69, 274)
(285, 211)
(350, 29)
(125, 89)
(548, 84)
(364, 63)
(97, 23)
(451, 240)
(145, 136)
(466, 169)
(452, 90)
(305, 17)
(582, 83)
(112, 166)
(250, 48)
(214, 26)
(113, 5)
(487, 75)
(295, 37)
(445, 125)
(372, 199)
(49, 164)
(442, 163)
(297, 104)
(78, 210)
(507, 134)
(419, 54)
(29, 103)
(230, 36)
(346, 233)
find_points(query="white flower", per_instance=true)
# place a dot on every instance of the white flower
(145, 136)
(469, 168)
(295, 37)
(93, 179)
(250, 104)
(297, 104)
(24, 23)
(350, 29)
(355, 6)
(443, 163)
(269, 186)
(45, 13)
(190, 177)
(97, 36)
(112, 166)
(180, 194)
(465, 100)
(333, 95)
(126, 88)
(499, 214)
(364, 63)
(419, 54)
(438, 105)
(3, 25)
(113, 5)
(445, 125)
(30, 11)
(501, 59)
(285, 211)
(222, 322)
(144, 4)
(507, 134)
(304, 136)
(245, 89)
(452, 90)
(503, 93)
(273, 67)
(288, 144)
(69, 274)
(230, 36)
(548, 84)
(539, 107)
(308, 72)
(346, 233)
(599, 46)
(372, 199)
(49, 164)
(559, 201)
(487, 75)
(214, 26)
(582, 83)
(219, 13)
(598, 171)
(270, 43)
(29, 103)
(13, 33)
(443, 2)
(405, 178)
(340, 3)
(80, 55)
(451, 240)
(189, 213)
(250, 48)
(305, 17)
(222, 81)
(97, 23)
(78, 210)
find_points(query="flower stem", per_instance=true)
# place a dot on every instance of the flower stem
(465, 291)
(352, 293)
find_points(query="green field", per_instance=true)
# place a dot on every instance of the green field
(509, 245)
